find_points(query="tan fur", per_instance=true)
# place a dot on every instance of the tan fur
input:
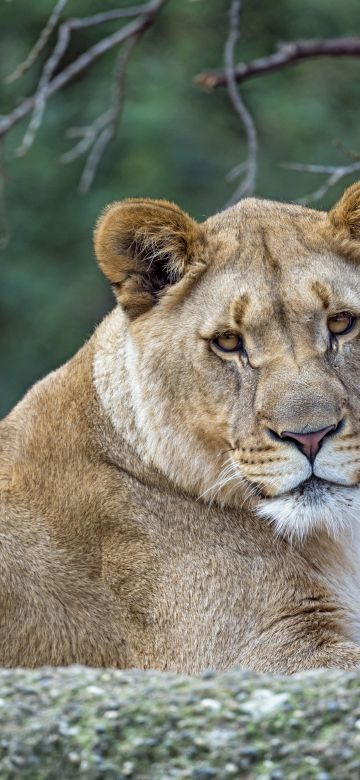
(148, 516)
(346, 214)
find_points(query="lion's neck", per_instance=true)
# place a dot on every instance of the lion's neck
(112, 380)
(137, 416)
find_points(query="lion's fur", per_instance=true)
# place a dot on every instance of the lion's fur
(148, 518)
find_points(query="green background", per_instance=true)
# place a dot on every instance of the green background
(175, 141)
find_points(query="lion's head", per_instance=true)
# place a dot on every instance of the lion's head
(243, 351)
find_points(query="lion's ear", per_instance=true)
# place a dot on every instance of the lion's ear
(345, 215)
(142, 246)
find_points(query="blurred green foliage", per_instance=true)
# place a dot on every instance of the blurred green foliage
(175, 141)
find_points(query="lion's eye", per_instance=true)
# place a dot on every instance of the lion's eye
(341, 323)
(228, 342)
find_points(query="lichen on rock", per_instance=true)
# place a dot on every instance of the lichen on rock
(93, 723)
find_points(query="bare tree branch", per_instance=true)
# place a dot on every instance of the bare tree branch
(55, 57)
(249, 167)
(39, 44)
(93, 138)
(287, 54)
(334, 175)
(83, 62)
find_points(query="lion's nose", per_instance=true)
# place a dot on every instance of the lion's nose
(309, 443)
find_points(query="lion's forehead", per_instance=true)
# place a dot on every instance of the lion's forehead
(258, 269)
(254, 221)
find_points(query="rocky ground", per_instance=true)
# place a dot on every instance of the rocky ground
(61, 724)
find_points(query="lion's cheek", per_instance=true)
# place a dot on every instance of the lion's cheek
(338, 464)
(277, 476)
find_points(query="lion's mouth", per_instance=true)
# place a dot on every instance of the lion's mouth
(313, 488)
(315, 503)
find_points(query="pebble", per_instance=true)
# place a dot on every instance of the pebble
(210, 704)
(204, 773)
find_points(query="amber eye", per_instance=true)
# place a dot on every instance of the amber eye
(228, 342)
(341, 323)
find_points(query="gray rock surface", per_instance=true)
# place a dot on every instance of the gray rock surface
(86, 723)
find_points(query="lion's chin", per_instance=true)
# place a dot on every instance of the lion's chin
(314, 505)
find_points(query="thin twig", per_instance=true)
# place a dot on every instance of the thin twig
(350, 153)
(87, 135)
(40, 44)
(247, 185)
(82, 63)
(110, 119)
(334, 175)
(287, 54)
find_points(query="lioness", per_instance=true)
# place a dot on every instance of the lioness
(184, 493)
